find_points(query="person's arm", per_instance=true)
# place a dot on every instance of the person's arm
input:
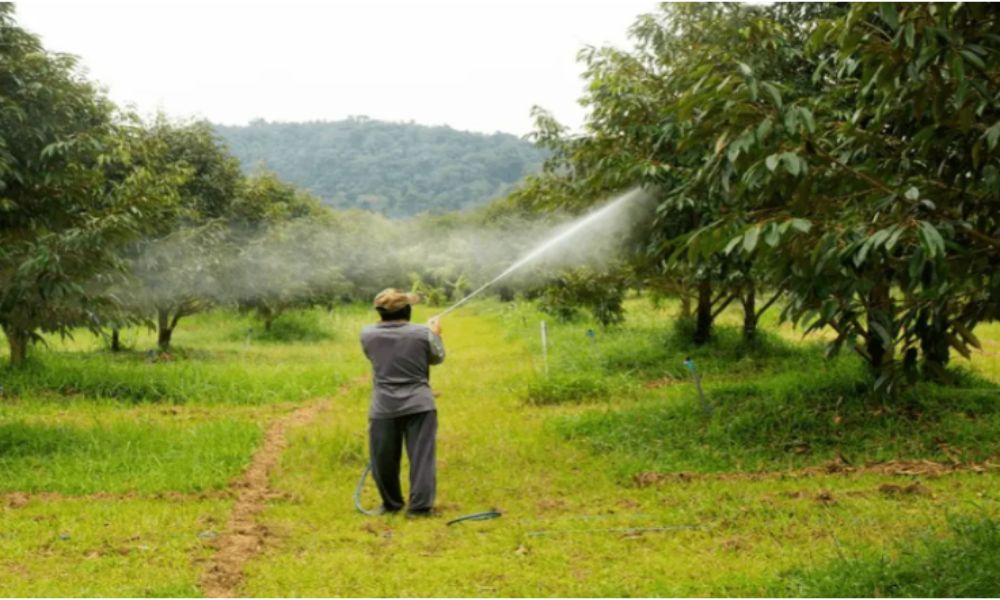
(364, 346)
(436, 356)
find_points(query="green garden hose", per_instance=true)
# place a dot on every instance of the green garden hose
(357, 495)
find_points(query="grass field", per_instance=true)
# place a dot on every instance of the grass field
(117, 472)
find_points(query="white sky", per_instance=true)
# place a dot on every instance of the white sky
(476, 66)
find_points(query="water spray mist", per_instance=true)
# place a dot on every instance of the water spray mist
(546, 246)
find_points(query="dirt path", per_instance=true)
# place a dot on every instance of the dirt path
(243, 536)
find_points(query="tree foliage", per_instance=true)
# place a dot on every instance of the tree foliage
(845, 156)
(69, 199)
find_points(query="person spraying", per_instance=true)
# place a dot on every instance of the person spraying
(402, 408)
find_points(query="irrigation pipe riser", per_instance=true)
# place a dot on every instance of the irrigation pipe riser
(706, 406)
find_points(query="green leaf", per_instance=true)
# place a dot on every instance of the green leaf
(720, 143)
(732, 244)
(764, 129)
(772, 236)
(925, 134)
(889, 15)
(772, 162)
(801, 225)
(882, 333)
(992, 135)
(932, 241)
(912, 194)
(792, 163)
(750, 238)
(973, 59)
(862, 253)
(968, 335)
(807, 116)
(880, 236)
(791, 120)
(891, 242)
(745, 69)
(958, 345)
(910, 34)
(774, 93)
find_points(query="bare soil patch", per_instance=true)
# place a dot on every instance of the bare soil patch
(243, 537)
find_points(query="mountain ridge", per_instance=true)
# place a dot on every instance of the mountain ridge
(399, 169)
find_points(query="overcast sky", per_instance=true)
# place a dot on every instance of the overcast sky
(477, 66)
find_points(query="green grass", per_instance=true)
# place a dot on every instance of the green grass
(555, 454)
(560, 496)
(962, 565)
(211, 362)
(573, 387)
(792, 420)
(67, 547)
(124, 456)
(778, 403)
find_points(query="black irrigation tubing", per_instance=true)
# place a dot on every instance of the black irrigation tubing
(624, 517)
(479, 516)
(622, 530)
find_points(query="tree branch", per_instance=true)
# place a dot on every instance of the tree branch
(982, 237)
(768, 304)
(719, 310)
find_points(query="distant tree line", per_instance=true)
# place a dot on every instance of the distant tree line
(396, 169)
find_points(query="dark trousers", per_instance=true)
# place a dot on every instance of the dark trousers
(385, 446)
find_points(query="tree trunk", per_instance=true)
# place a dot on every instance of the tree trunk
(17, 340)
(749, 301)
(116, 341)
(880, 355)
(685, 303)
(165, 329)
(936, 350)
(703, 327)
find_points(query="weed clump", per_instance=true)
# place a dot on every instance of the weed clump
(293, 327)
(965, 565)
(568, 387)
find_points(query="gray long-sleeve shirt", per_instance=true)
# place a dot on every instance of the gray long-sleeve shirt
(401, 355)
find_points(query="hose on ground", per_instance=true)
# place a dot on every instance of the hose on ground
(479, 516)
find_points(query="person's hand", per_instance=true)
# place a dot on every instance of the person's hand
(435, 325)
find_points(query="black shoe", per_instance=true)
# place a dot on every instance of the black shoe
(422, 514)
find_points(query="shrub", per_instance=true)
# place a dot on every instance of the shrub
(568, 387)
(297, 326)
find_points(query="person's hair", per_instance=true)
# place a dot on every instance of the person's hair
(402, 314)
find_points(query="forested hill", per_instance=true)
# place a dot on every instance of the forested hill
(398, 169)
